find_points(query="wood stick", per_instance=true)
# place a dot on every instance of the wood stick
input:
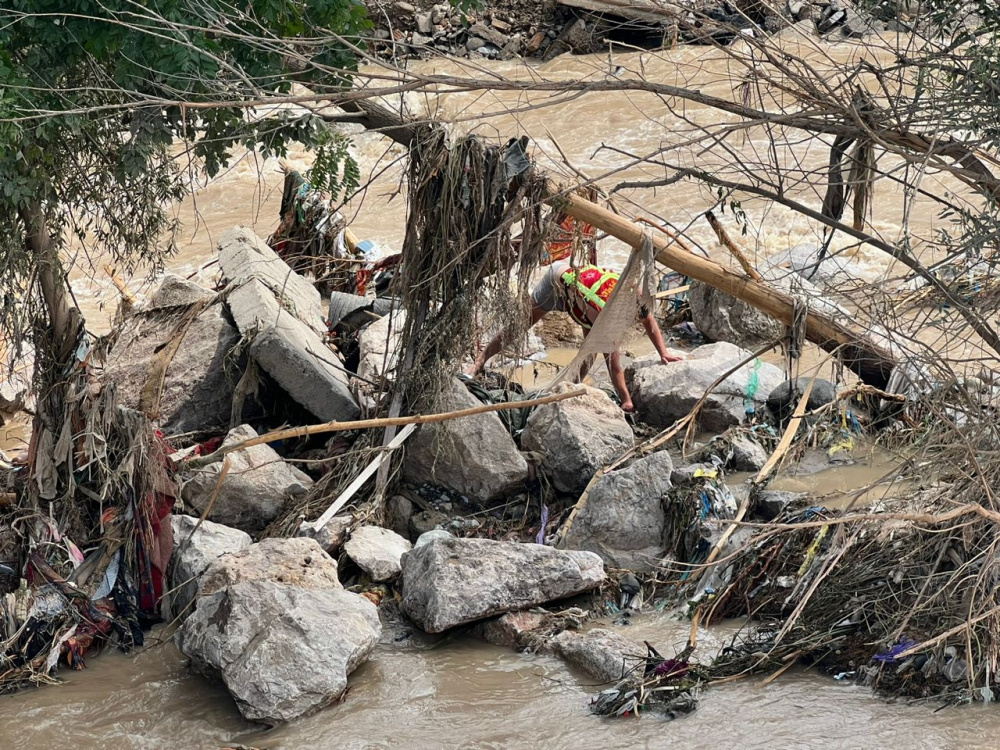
(786, 439)
(361, 478)
(367, 424)
(673, 292)
(872, 362)
(732, 247)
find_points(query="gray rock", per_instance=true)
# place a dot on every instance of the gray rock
(450, 582)
(473, 456)
(378, 347)
(377, 551)
(293, 353)
(602, 654)
(722, 317)
(254, 490)
(429, 536)
(281, 651)
(425, 522)
(832, 272)
(333, 534)
(404, 7)
(425, 23)
(785, 397)
(577, 437)
(742, 453)
(197, 389)
(665, 393)
(243, 256)
(420, 40)
(474, 43)
(770, 503)
(578, 37)
(296, 561)
(192, 556)
(623, 519)
(689, 473)
(177, 292)
(507, 629)
(398, 511)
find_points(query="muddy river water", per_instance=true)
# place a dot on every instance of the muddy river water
(462, 693)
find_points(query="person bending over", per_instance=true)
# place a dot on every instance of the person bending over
(582, 292)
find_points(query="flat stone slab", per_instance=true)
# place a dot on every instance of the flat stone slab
(244, 256)
(293, 353)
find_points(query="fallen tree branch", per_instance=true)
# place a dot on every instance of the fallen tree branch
(368, 424)
(732, 247)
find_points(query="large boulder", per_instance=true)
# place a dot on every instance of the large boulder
(254, 490)
(623, 519)
(450, 582)
(602, 654)
(280, 650)
(577, 437)
(293, 353)
(722, 317)
(472, 456)
(177, 292)
(197, 392)
(192, 556)
(297, 561)
(377, 551)
(665, 393)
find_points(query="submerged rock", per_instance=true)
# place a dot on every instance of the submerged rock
(507, 629)
(665, 393)
(577, 437)
(297, 561)
(377, 551)
(192, 556)
(281, 651)
(602, 654)
(450, 582)
(197, 391)
(472, 456)
(253, 491)
(623, 519)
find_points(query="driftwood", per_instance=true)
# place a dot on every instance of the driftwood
(872, 363)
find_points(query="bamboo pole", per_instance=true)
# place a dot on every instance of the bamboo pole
(367, 424)
(872, 363)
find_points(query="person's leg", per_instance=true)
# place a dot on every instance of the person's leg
(493, 348)
(617, 373)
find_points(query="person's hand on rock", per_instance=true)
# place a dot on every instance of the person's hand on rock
(668, 358)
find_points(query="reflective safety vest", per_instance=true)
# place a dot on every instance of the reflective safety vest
(591, 286)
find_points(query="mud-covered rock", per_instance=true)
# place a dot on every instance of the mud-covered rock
(450, 582)
(785, 397)
(280, 650)
(472, 456)
(577, 437)
(254, 489)
(507, 629)
(665, 393)
(623, 519)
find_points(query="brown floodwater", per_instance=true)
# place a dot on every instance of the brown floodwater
(465, 694)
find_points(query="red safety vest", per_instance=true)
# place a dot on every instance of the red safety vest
(590, 286)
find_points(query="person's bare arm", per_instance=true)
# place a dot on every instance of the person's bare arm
(652, 329)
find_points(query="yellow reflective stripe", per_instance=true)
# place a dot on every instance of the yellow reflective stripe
(571, 278)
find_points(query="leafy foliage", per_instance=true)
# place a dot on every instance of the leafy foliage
(96, 100)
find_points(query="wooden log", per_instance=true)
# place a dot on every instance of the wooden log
(870, 361)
